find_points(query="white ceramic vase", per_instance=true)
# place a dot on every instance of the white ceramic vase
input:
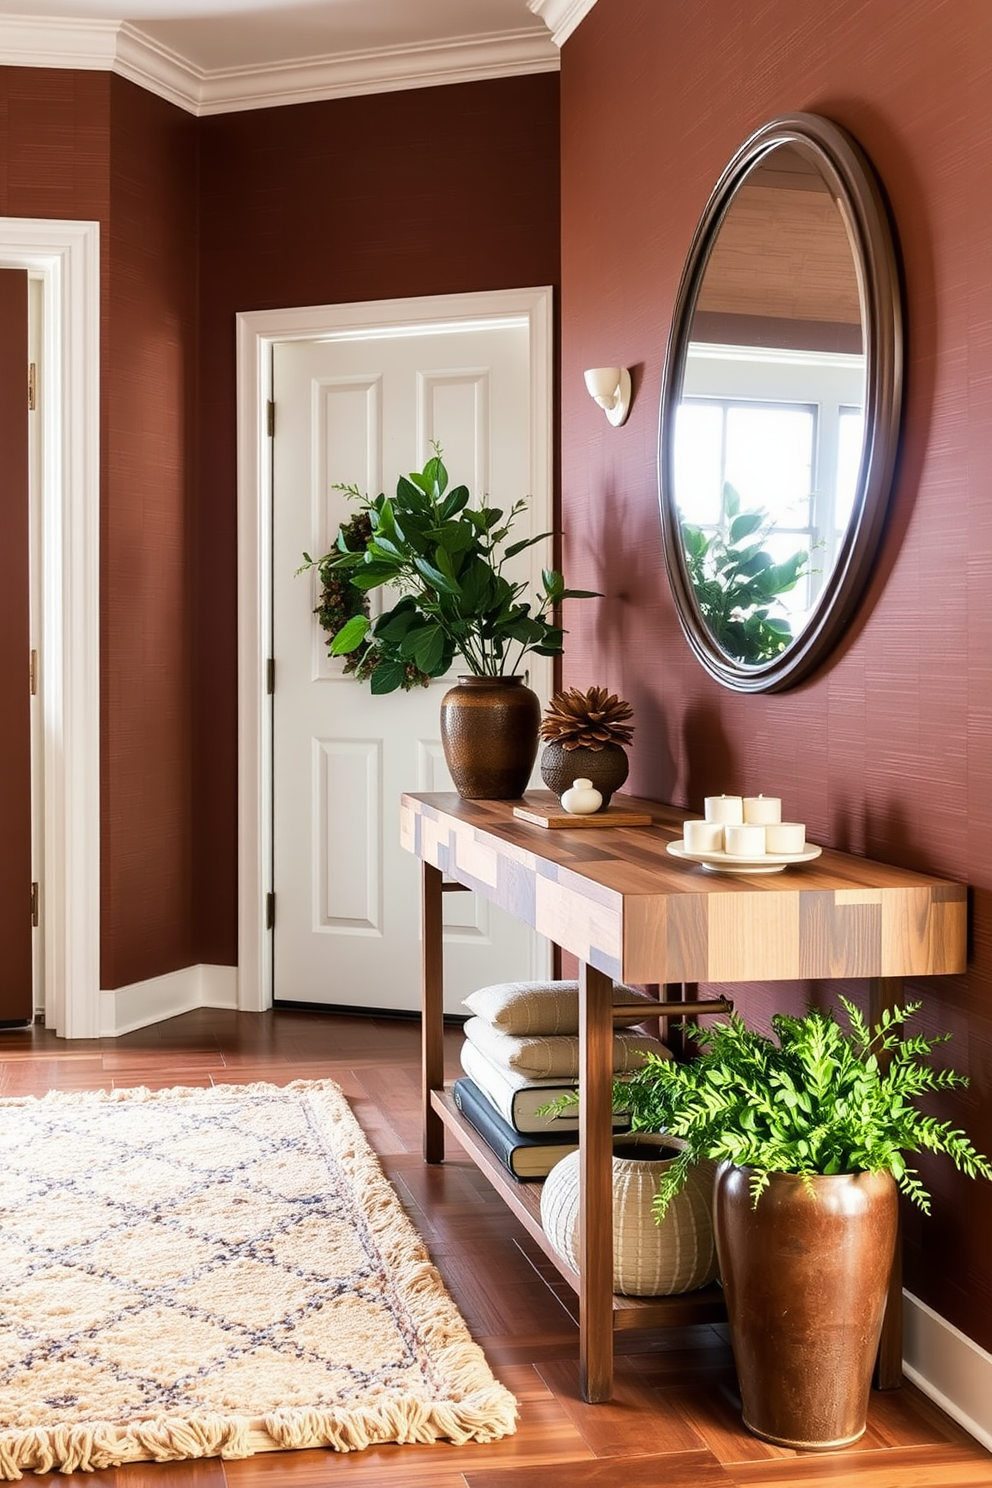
(649, 1260)
(582, 799)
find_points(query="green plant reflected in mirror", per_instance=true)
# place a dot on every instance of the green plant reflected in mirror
(780, 405)
(739, 587)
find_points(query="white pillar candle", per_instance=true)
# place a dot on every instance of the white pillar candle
(785, 837)
(744, 841)
(724, 809)
(702, 836)
(762, 809)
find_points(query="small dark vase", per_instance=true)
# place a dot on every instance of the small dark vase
(607, 768)
(489, 733)
(805, 1275)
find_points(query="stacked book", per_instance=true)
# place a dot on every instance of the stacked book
(521, 1053)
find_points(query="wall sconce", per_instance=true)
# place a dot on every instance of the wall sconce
(610, 386)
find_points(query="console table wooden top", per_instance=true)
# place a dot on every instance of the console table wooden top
(619, 902)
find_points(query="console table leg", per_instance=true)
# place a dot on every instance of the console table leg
(596, 1183)
(432, 1008)
(885, 993)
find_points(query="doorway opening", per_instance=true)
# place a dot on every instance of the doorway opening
(257, 334)
(63, 258)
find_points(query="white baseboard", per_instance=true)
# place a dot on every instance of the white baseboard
(128, 1008)
(948, 1366)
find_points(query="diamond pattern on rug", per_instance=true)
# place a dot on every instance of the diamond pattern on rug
(194, 1272)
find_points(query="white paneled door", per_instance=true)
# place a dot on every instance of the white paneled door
(363, 410)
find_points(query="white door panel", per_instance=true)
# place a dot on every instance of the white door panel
(363, 411)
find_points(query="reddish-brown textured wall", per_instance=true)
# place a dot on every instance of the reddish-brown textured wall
(431, 191)
(888, 750)
(150, 380)
(54, 143)
(86, 145)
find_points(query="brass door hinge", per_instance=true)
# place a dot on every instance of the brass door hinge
(33, 673)
(32, 387)
(34, 904)
(270, 418)
(270, 911)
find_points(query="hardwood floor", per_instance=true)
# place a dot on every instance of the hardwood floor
(674, 1421)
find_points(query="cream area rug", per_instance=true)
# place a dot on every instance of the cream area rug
(194, 1273)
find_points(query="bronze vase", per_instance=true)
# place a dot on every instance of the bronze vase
(489, 733)
(805, 1274)
(607, 768)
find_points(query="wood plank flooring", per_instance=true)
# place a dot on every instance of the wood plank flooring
(674, 1421)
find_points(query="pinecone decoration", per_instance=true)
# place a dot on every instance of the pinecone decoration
(587, 720)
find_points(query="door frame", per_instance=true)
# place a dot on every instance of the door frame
(65, 256)
(256, 332)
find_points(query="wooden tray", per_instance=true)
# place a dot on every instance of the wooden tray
(552, 815)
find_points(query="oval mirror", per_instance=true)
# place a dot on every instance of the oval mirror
(780, 405)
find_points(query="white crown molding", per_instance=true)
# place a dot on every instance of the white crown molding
(561, 17)
(122, 48)
(57, 41)
(157, 69)
(388, 70)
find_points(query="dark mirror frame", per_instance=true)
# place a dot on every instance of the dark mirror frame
(852, 182)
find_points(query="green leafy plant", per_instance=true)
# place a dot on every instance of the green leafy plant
(447, 558)
(817, 1098)
(737, 584)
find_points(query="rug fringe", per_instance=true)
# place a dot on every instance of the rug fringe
(101, 1444)
(482, 1418)
(394, 1421)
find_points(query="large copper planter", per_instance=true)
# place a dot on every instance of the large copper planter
(805, 1276)
(489, 732)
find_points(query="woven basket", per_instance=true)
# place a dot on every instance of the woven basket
(649, 1260)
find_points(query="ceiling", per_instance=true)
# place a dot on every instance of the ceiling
(213, 56)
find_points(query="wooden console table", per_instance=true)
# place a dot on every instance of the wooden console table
(628, 910)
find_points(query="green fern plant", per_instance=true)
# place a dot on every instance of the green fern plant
(816, 1099)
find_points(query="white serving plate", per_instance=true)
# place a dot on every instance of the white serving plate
(723, 862)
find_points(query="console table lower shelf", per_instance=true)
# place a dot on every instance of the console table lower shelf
(705, 1305)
